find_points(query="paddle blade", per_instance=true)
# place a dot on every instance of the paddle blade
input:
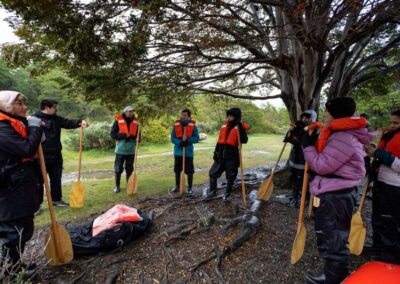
(265, 189)
(298, 245)
(357, 234)
(59, 246)
(182, 183)
(77, 196)
(132, 185)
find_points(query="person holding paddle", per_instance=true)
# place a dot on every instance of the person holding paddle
(183, 135)
(19, 184)
(296, 157)
(336, 161)
(386, 193)
(124, 131)
(226, 153)
(52, 146)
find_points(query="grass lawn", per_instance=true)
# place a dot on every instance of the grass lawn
(155, 173)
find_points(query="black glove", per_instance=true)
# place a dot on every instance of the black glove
(183, 143)
(309, 140)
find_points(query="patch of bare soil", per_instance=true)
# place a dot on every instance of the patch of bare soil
(191, 242)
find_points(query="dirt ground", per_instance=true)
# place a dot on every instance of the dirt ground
(178, 245)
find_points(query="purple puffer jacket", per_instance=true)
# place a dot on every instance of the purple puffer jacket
(343, 156)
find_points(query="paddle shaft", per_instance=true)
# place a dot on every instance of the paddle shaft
(279, 159)
(244, 203)
(49, 200)
(80, 153)
(303, 196)
(136, 148)
(182, 179)
(364, 195)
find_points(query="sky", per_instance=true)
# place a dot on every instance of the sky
(7, 36)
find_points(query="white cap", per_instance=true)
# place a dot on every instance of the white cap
(128, 108)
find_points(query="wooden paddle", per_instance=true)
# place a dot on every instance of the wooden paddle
(358, 230)
(244, 203)
(77, 196)
(182, 182)
(132, 185)
(59, 246)
(300, 239)
(267, 186)
(310, 206)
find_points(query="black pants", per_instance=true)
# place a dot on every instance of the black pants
(332, 224)
(13, 236)
(189, 166)
(54, 167)
(120, 160)
(297, 179)
(386, 221)
(219, 167)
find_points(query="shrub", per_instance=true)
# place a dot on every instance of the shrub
(97, 136)
(156, 131)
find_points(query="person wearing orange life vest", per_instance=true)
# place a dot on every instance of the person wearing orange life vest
(386, 193)
(19, 179)
(124, 131)
(180, 140)
(226, 153)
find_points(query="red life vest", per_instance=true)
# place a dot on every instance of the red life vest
(189, 128)
(230, 138)
(123, 126)
(20, 127)
(390, 141)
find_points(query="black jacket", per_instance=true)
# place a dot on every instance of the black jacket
(53, 123)
(19, 193)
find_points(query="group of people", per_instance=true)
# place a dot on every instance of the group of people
(338, 156)
(335, 153)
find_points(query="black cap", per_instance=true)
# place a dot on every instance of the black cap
(341, 107)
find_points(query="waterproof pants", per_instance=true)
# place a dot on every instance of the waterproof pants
(230, 168)
(297, 179)
(386, 222)
(332, 224)
(13, 236)
(120, 160)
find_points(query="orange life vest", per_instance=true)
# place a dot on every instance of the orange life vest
(189, 128)
(123, 126)
(20, 127)
(230, 138)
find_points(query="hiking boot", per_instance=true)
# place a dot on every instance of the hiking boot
(116, 189)
(174, 189)
(211, 194)
(315, 278)
(227, 196)
(117, 183)
(60, 203)
(189, 192)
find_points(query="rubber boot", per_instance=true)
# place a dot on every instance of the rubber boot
(190, 185)
(117, 187)
(335, 272)
(229, 187)
(213, 188)
(315, 278)
(177, 181)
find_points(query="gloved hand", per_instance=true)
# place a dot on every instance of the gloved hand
(183, 143)
(309, 140)
(34, 121)
(384, 157)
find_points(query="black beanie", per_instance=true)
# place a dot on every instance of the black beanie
(341, 107)
(235, 112)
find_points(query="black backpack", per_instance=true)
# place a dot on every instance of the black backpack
(84, 243)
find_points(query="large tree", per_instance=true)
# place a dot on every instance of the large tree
(237, 48)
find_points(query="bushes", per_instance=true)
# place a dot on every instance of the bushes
(97, 136)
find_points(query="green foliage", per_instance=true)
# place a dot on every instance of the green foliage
(97, 136)
(156, 131)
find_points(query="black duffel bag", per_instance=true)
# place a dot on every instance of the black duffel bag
(84, 243)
